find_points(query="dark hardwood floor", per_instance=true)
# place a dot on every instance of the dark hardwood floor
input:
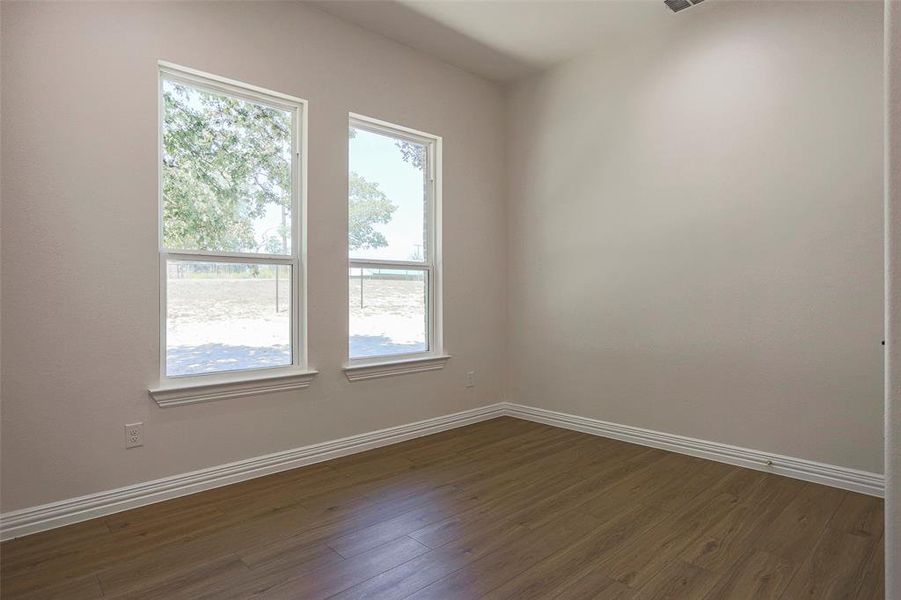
(500, 509)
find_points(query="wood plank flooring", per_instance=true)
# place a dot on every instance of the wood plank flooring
(500, 509)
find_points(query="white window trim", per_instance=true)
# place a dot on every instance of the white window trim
(435, 358)
(399, 366)
(189, 389)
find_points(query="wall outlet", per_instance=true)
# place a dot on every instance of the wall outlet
(470, 379)
(134, 435)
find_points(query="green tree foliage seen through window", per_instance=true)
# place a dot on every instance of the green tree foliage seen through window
(225, 161)
(227, 164)
(368, 205)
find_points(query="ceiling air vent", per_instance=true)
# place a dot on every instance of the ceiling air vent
(677, 5)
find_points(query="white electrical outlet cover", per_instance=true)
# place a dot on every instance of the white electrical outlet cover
(134, 435)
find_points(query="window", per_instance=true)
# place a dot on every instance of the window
(394, 275)
(231, 270)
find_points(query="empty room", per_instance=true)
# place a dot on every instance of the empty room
(450, 299)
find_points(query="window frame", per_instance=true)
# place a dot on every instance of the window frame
(296, 259)
(434, 357)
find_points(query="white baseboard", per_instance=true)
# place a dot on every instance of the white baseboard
(56, 514)
(864, 482)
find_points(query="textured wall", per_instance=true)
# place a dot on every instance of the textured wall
(80, 268)
(893, 299)
(695, 231)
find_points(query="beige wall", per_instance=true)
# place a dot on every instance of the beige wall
(80, 274)
(695, 231)
(893, 299)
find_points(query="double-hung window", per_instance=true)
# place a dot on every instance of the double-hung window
(231, 245)
(394, 274)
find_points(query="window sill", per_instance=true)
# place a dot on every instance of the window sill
(387, 368)
(177, 394)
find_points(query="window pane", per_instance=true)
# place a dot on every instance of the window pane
(386, 197)
(387, 312)
(227, 316)
(226, 173)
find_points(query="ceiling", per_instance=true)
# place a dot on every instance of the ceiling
(502, 39)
